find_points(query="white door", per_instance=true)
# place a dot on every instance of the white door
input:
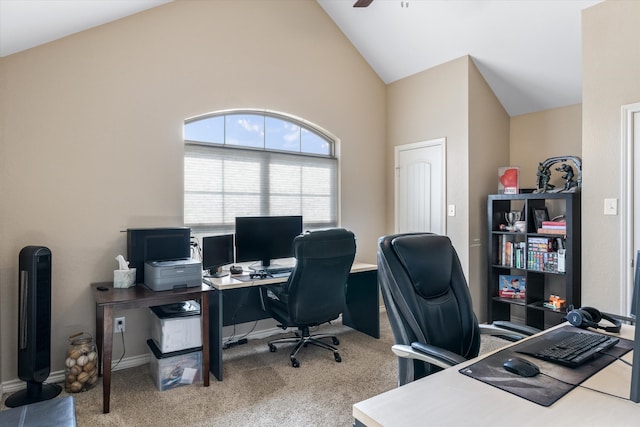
(420, 187)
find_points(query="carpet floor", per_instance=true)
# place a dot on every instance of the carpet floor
(260, 388)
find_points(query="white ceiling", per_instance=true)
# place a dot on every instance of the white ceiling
(28, 23)
(529, 51)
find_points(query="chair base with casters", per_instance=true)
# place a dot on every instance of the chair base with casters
(314, 293)
(302, 339)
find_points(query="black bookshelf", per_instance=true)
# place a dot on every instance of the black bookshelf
(548, 262)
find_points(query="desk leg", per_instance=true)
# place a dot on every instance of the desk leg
(99, 335)
(215, 333)
(362, 311)
(204, 314)
(107, 348)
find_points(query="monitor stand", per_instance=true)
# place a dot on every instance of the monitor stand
(216, 274)
(271, 268)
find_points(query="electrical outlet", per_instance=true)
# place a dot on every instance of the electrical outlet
(118, 324)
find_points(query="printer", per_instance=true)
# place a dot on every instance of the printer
(172, 274)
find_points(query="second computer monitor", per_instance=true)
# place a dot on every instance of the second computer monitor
(216, 252)
(264, 238)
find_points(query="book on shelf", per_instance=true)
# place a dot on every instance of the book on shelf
(546, 254)
(554, 224)
(546, 230)
(511, 253)
(561, 264)
(514, 287)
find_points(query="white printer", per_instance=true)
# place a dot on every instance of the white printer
(172, 274)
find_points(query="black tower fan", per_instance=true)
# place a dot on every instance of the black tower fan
(34, 327)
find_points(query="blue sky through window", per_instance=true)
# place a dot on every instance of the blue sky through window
(246, 130)
(210, 129)
(257, 131)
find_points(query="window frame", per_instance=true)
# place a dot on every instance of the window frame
(331, 141)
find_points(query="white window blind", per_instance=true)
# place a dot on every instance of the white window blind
(224, 182)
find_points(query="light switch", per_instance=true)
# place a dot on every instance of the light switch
(611, 206)
(451, 210)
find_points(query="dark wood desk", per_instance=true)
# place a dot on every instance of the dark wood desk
(139, 297)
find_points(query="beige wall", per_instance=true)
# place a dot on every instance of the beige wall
(429, 105)
(611, 70)
(538, 136)
(91, 138)
(488, 150)
(453, 100)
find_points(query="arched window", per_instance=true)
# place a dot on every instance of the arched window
(250, 163)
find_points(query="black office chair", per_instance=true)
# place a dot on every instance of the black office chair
(315, 291)
(429, 305)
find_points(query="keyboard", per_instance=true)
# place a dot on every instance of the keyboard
(282, 274)
(279, 270)
(570, 348)
(272, 271)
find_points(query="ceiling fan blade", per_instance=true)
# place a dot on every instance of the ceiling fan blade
(362, 3)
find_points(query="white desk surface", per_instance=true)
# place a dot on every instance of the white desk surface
(449, 398)
(228, 282)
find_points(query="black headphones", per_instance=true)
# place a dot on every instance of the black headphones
(589, 317)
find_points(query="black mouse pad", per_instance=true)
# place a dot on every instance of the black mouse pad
(553, 382)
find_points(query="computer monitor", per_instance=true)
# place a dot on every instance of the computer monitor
(216, 252)
(264, 238)
(156, 244)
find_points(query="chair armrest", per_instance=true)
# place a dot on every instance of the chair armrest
(428, 353)
(508, 330)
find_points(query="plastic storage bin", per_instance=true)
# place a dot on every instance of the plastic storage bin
(170, 370)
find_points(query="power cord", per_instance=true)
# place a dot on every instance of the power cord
(196, 249)
(231, 341)
(618, 358)
(589, 388)
(123, 351)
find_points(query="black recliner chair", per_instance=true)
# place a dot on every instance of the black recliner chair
(315, 291)
(429, 305)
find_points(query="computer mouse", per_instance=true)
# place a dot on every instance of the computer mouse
(522, 367)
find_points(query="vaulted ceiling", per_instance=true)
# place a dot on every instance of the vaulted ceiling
(529, 51)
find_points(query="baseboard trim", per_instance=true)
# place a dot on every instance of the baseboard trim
(58, 376)
(134, 361)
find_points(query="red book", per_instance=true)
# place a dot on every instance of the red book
(554, 224)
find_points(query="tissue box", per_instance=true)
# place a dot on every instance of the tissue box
(175, 369)
(124, 278)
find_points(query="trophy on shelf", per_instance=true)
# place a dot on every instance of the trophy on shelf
(512, 217)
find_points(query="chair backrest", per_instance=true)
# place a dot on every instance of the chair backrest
(316, 286)
(426, 297)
